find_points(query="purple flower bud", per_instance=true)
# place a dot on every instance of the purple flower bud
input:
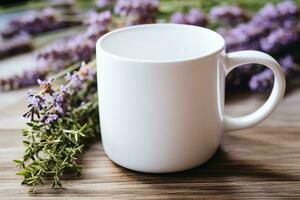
(50, 118)
(36, 101)
(75, 81)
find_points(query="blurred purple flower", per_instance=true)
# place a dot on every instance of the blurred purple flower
(264, 80)
(266, 14)
(288, 8)
(20, 43)
(261, 81)
(102, 18)
(85, 73)
(193, 17)
(196, 17)
(178, 18)
(290, 67)
(80, 47)
(280, 38)
(228, 15)
(35, 22)
(74, 80)
(137, 11)
(103, 3)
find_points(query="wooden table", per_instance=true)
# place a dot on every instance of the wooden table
(261, 162)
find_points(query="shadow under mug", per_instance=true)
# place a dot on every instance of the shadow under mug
(161, 95)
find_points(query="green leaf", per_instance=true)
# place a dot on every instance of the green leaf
(22, 173)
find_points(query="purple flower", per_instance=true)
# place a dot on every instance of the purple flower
(193, 17)
(36, 101)
(18, 44)
(77, 48)
(50, 118)
(288, 8)
(74, 80)
(196, 17)
(64, 89)
(86, 72)
(229, 15)
(263, 32)
(290, 67)
(103, 3)
(102, 18)
(61, 95)
(264, 80)
(279, 38)
(178, 18)
(59, 109)
(286, 62)
(261, 81)
(59, 98)
(267, 14)
(94, 31)
(25, 79)
(137, 11)
(35, 22)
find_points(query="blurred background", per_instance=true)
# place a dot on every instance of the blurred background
(42, 39)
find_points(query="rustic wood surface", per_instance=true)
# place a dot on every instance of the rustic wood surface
(261, 162)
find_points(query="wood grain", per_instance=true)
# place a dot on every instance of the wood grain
(259, 163)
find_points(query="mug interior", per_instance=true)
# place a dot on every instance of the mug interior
(161, 42)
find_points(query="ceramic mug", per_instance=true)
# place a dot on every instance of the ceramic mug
(161, 95)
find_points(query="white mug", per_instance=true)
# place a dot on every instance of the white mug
(161, 95)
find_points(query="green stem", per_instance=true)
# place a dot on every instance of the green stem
(64, 72)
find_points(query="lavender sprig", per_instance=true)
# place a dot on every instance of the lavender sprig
(35, 22)
(264, 80)
(273, 29)
(280, 39)
(61, 122)
(230, 15)
(77, 48)
(25, 79)
(20, 43)
(137, 11)
(61, 54)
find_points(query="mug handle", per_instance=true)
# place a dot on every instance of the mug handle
(235, 59)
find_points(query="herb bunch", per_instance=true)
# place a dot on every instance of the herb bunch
(62, 120)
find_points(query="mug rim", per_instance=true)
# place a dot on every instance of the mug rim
(124, 58)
